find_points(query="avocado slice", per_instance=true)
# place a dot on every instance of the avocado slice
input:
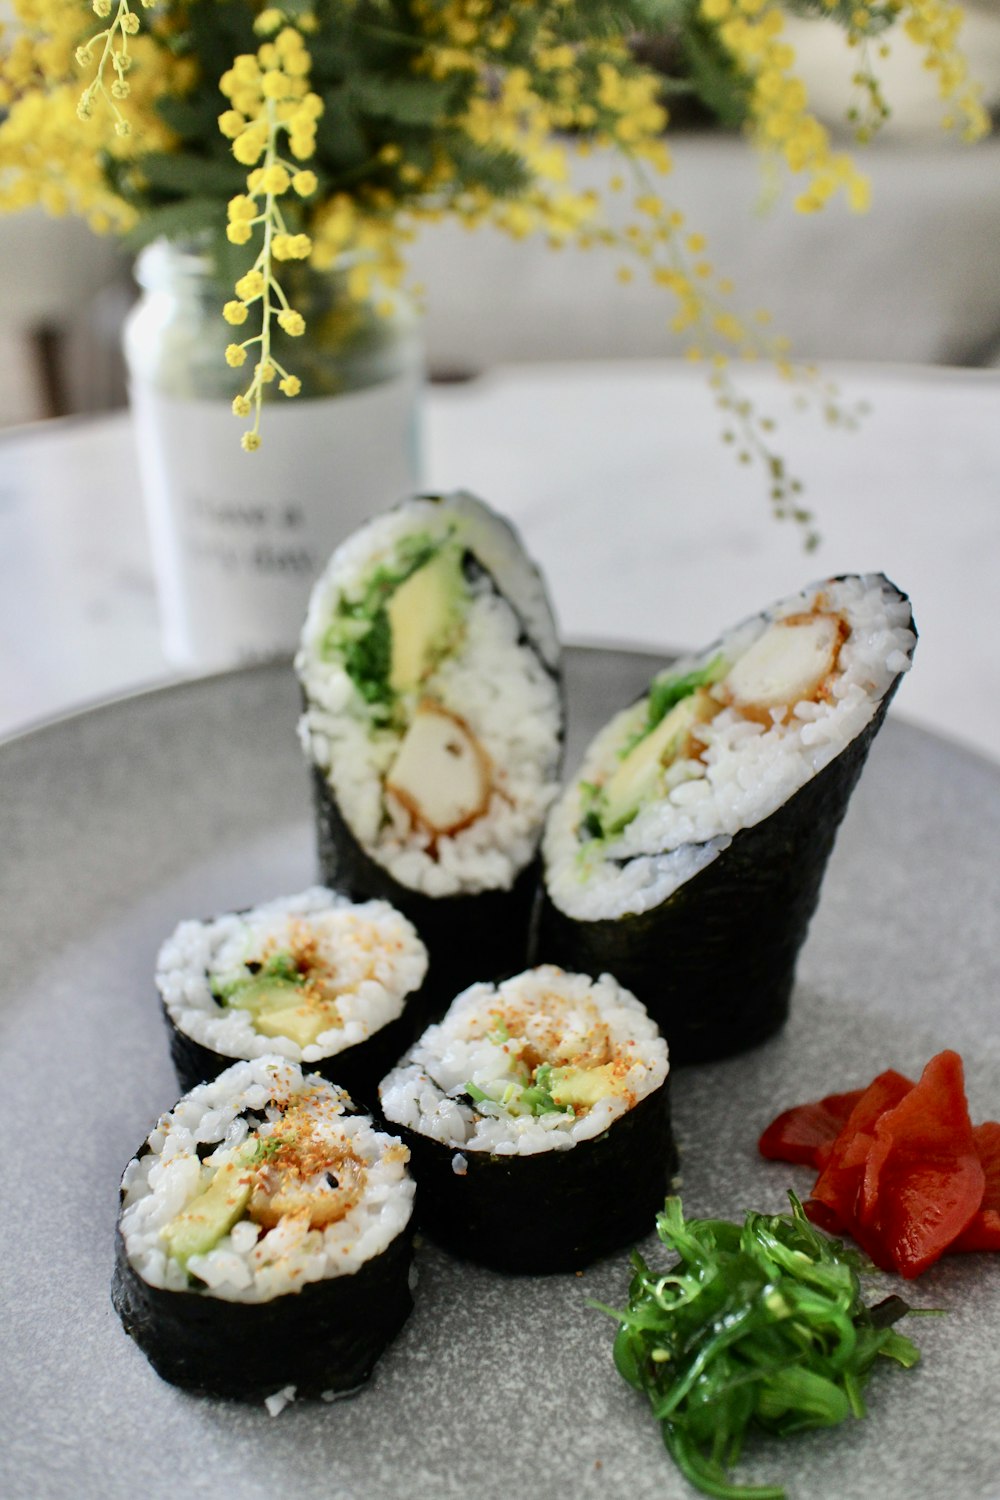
(636, 778)
(422, 614)
(213, 1213)
(300, 1023)
(581, 1086)
(263, 993)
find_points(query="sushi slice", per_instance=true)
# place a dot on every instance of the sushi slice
(538, 1121)
(311, 977)
(264, 1239)
(433, 724)
(686, 856)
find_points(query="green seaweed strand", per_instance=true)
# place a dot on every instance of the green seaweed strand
(759, 1326)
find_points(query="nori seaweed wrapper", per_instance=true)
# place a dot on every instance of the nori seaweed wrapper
(480, 936)
(325, 1337)
(356, 1069)
(555, 1210)
(714, 963)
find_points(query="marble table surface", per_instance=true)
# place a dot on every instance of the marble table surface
(648, 529)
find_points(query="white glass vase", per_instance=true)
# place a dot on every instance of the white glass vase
(238, 538)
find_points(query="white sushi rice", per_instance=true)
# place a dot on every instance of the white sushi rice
(370, 951)
(276, 1404)
(748, 770)
(550, 1012)
(499, 685)
(250, 1264)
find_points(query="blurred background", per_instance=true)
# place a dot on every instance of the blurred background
(915, 279)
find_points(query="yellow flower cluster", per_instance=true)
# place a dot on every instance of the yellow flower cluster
(270, 98)
(619, 110)
(527, 86)
(624, 113)
(933, 25)
(752, 33)
(114, 57)
(49, 159)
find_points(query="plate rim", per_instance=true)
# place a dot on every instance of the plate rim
(140, 694)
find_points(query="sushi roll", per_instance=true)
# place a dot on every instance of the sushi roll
(433, 725)
(686, 856)
(538, 1121)
(311, 977)
(264, 1239)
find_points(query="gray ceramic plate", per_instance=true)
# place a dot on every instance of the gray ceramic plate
(117, 823)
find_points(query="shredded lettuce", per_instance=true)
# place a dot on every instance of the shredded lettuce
(266, 1148)
(533, 1097)
(360, 633)
(761, 1325)
(537, 1097)
(666, 692)
(591, 805)
(280, 967)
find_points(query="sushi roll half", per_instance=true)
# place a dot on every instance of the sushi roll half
(264, 1238)
(311, 977)
(686, 855)
(433, 724)
(538, 1121)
